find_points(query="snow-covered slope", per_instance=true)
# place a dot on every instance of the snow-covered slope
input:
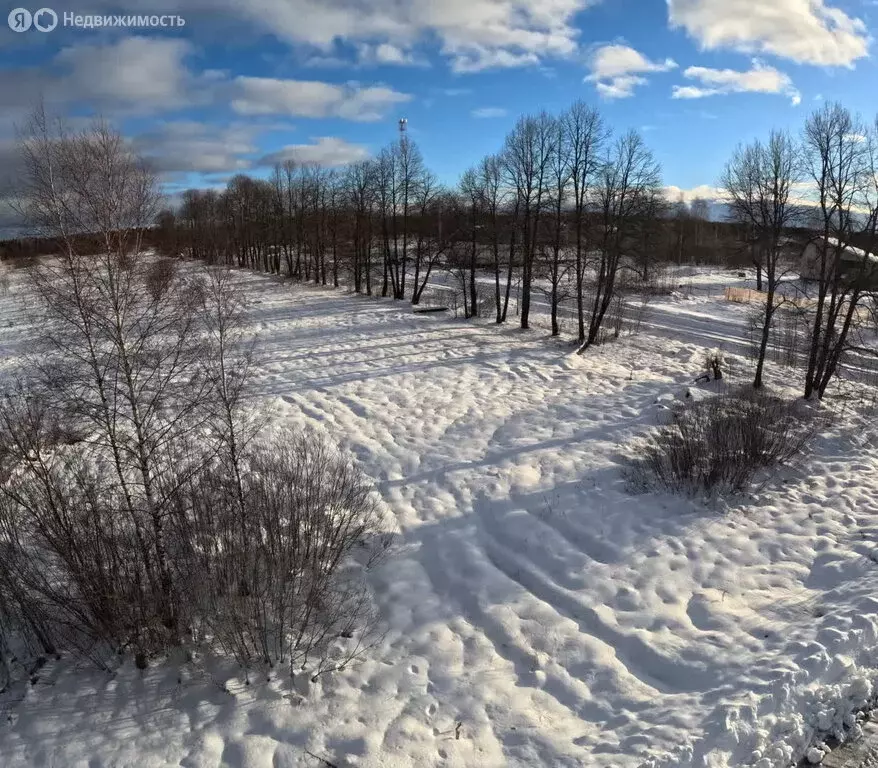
(537, 613)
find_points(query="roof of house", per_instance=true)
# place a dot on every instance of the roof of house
(857, 253)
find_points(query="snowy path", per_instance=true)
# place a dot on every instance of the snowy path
(560, 620)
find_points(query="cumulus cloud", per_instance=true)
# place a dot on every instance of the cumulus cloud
(701, 192)
(135, 72)
(312, 98)
(190, 147)
(367, 55)
(472, 34)
(185, 146)
(805, 31)
(327, 151)
(152, 76)
(618, 69)
(131, 75)
(386, 54)
(714, 82)
(140, 75)
(486, 112)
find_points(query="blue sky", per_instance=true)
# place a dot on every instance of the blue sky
(246, 83)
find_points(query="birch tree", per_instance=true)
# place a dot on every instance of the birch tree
(759, 180)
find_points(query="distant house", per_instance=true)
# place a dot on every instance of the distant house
(852, 260)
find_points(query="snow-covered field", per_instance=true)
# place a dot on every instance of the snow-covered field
(536, 612)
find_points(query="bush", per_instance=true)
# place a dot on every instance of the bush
(275, 562)
(267, 569)
(67, 575)
(714, 362)
(661, 281)
(722, 444)
(141, 507)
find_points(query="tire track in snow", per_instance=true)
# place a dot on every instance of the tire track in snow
(456, 582)
(653, 670)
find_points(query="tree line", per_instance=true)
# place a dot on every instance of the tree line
(565, 207)
(572, 215)
(568, 209)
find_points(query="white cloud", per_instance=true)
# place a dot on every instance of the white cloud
(327, 151)
(479, 57)
(312, 98)
(618, 69)
(714, 82)
(486, 112)
(386, 53)
(703, 191)
(472, 34)
(805, 31)
(135, 73)
(611, 61)
(620, 87)
(150, 76)
(184, 146)
(191, 147)
(368, 55)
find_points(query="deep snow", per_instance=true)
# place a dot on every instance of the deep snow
(537, 613)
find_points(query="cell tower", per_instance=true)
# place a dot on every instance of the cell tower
(403, 126)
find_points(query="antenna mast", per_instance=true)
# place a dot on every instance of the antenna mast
(403, 126)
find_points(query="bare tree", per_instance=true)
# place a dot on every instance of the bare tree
(432, 235)
(759, 180)
(527, 157)
(700, 209)
(410, 167)
(137, 506)
(586, 136)
(120, 358)
(360, 197)
(384, 179)
(473, 195)
(840, 162)
(560, 178)
(491, 182)
(630, 178)
(84, 182)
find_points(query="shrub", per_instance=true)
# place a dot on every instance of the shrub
(274, 569)
(722, 444)
(661, 281)
(75, 574)
(266, 568)
(714, 362)
(141, 506)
